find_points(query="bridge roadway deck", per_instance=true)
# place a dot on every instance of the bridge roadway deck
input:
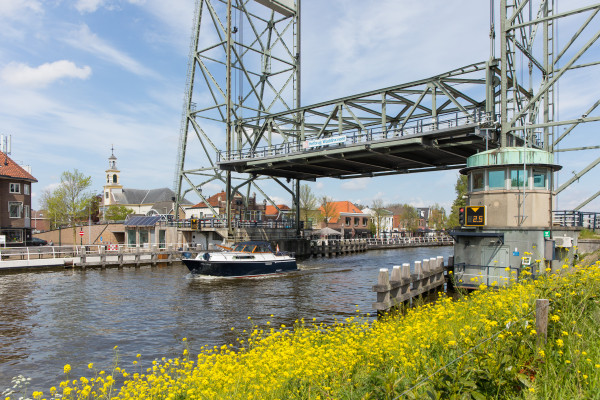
(366, 155)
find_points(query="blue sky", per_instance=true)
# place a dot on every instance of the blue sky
(79, 76)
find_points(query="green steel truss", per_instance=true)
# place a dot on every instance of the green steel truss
(244, 62)
(533, 57)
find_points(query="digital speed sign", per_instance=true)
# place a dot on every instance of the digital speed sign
(475, 216)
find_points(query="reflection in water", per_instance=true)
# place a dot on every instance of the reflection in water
(49, 319)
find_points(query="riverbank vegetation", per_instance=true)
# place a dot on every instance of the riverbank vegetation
(481, 346)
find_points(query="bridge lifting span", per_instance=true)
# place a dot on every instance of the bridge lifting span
(431, 124)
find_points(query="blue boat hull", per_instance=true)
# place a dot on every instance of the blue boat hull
(239, 269)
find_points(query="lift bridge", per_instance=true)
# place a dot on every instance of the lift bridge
(242, 109)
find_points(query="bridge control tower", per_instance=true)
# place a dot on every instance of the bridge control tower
(508, 219)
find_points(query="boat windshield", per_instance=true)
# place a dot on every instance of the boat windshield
(252, 248)
(241, 247)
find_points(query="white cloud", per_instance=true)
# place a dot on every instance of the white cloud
(17, 74)
(14, 9)
(281, 200)
(88, 6)
(85, 39)
(355, 184)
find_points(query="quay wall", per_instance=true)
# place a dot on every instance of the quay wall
(588, 245)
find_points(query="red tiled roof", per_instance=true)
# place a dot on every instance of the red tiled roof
(342, 207)
(10, 169)
(271, 210)
(212, 200)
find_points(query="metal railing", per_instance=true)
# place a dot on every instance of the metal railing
(403, 241)
(362, 136)
(53, 252)
(222, 223)
(500, 275)
(571, 218)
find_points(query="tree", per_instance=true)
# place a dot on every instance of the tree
(407, 215)
(437, 217)
(378, 216)
(461, 192)
(308, 204)
(55, 208)
(328, 210)
(117, 213)
(69, 202)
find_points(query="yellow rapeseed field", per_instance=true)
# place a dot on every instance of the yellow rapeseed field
(480, 346)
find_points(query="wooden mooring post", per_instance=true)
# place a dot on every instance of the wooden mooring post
(541, 320)
(401, 287)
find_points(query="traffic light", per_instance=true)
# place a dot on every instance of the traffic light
(461, 216)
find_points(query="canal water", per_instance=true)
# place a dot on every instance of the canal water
(52, 318)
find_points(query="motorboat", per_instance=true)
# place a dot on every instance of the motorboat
(244, 259)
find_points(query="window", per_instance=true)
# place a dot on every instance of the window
(517, 178)
(15, 188)
(162, 242)
(348, 220)
(15, 209)
(477, 180)
(131, 239)
(13, 235)
(356, 221)
(539, 178)
(115, 178)
(26, 189)
(365, 221)
(496, 179)
(106, 195)
(143, 237)
(26, 212)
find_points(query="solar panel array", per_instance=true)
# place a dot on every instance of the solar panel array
(142, 221)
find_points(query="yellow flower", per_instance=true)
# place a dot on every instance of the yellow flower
(67, 368)
(542, 353)
(91, 365)
(560, 343)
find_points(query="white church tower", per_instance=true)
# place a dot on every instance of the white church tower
(113, 180)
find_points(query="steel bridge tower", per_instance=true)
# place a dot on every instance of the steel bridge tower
(533, 63)
(244, 62)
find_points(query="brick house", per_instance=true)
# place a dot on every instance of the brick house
(252, 211)
(15, 202)
(348, 219)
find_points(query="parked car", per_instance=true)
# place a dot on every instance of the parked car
(37, 242)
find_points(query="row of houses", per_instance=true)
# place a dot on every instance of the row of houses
(18, 221)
